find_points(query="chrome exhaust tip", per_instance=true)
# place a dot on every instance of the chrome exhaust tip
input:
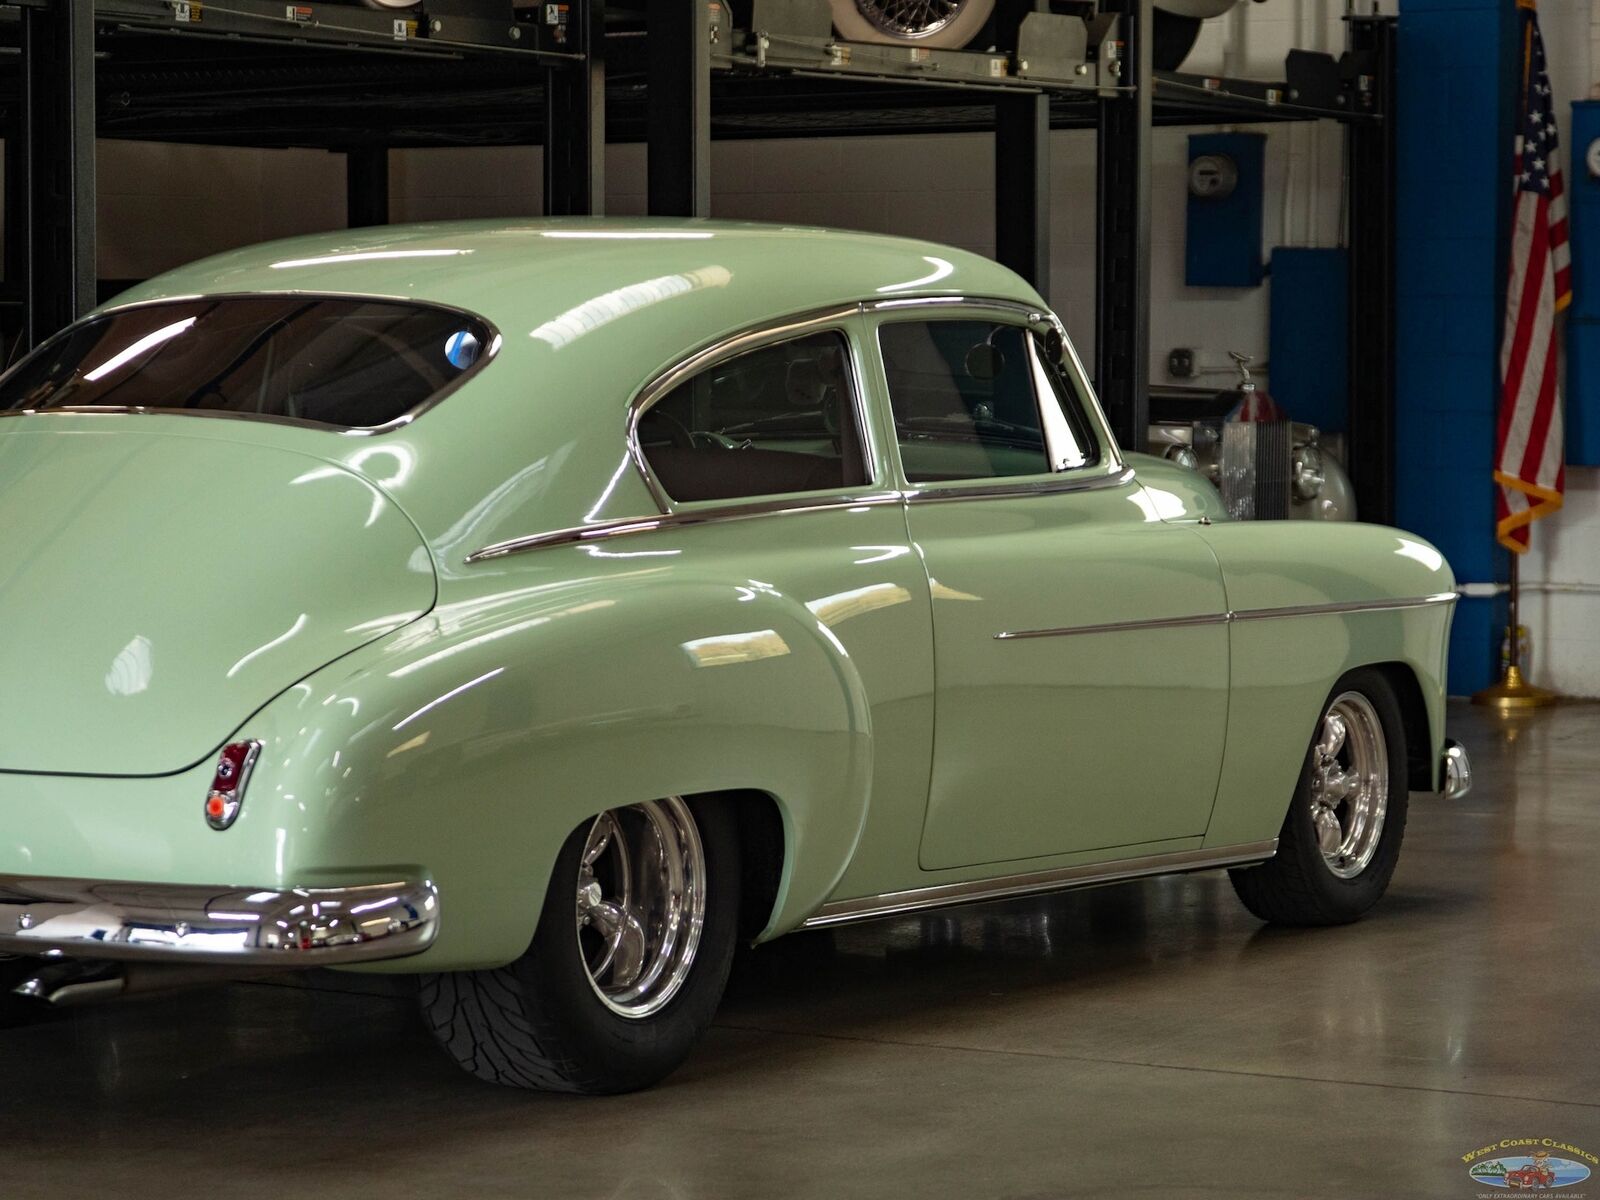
(1455, 770)
(68, 982)
(61, 983)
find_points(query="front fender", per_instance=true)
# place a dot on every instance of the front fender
(1284, 659)
(470, 744)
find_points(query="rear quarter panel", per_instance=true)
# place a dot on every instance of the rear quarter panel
(782, 656)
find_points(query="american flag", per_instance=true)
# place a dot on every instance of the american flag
(1529, 466)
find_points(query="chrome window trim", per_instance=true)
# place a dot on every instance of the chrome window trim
(1335, 608)
(496, 341)
(1033, 316)
(888, 904)
(754, 337)
(1112, 473)
(682, 519)
(1080, 480)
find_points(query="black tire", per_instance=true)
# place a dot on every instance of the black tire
(14, 1009)
(537, 1023)
(1172, 39)
(1297, 887)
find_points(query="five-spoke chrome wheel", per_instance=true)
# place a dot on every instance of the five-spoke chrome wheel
(641, 904)
(1349, 793)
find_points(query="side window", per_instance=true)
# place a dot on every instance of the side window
(976, 399)
(770, 421)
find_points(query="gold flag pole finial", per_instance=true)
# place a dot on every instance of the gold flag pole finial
(1513, 692)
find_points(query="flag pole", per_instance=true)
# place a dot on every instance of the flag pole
(1513, 692)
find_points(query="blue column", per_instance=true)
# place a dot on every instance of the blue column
(1457, 81)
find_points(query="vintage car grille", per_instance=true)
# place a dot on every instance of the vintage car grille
(1257, 472)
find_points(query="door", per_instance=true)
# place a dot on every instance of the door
(1080, 641)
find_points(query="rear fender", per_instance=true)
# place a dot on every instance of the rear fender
(472, 743)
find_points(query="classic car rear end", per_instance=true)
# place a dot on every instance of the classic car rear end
(547, 607)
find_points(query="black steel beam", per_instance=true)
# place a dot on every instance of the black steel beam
(1122, 252)
(1022, 187)
(366, 186)
(1371, 150)
(57, 239)
(575, 122)
(678, 120)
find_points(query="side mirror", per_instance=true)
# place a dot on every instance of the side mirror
(1055, 346)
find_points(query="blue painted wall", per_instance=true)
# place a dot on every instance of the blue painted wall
(1452, 219)
(1309, 335)
(1583, 318)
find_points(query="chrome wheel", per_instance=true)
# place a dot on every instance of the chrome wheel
(641, 904)
(1349, 784)
(910, 18)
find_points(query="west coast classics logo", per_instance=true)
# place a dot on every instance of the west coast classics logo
(1529, 1164)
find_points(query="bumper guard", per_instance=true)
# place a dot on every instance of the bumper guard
(1455, 770)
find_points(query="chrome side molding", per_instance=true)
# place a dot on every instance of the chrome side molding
(1247, 614)
(1059, 879)
(1455, 770)
(187, 923)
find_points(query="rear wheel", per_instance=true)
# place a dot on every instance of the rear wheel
(1341, 838)
(939, 24)
(627, 966)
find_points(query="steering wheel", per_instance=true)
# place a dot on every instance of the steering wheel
(677, 432)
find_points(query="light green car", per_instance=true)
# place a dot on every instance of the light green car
(543, 608)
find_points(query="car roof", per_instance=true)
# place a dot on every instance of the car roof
(588, 310)
(560, 273)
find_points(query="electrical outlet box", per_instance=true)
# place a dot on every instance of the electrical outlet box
(1222, 245)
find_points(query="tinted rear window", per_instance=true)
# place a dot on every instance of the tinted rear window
(345, 363)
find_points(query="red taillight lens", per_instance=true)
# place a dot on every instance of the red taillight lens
(226, 796)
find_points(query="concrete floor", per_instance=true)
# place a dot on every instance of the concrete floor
(1147, 1039)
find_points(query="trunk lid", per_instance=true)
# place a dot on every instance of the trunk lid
(157, 588)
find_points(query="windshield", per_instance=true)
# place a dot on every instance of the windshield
(331, 361)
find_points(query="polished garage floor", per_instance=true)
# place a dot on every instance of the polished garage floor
(1149, 1039)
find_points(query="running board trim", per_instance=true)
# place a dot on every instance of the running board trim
(866, 908)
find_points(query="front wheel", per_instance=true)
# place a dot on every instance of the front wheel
(938, 24)
(626, 968)
(1341, 838)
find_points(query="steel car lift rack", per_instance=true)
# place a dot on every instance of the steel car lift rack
(675, 74)
(783, 74)
(271, 73)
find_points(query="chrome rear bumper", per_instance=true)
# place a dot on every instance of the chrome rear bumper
(1455, 771)
(183, 923)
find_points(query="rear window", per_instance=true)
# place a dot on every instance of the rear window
(332, 361)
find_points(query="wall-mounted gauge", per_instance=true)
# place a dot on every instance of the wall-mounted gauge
(1213, 176)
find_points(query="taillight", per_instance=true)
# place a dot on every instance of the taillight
(226, 796)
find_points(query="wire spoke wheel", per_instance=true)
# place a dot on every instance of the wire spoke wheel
(1349, 793)
(641, 904)
(910, 18)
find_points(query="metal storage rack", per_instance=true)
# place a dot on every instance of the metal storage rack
(675, 75)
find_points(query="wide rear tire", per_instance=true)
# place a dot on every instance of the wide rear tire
(1341, 837)
(570, 1017)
